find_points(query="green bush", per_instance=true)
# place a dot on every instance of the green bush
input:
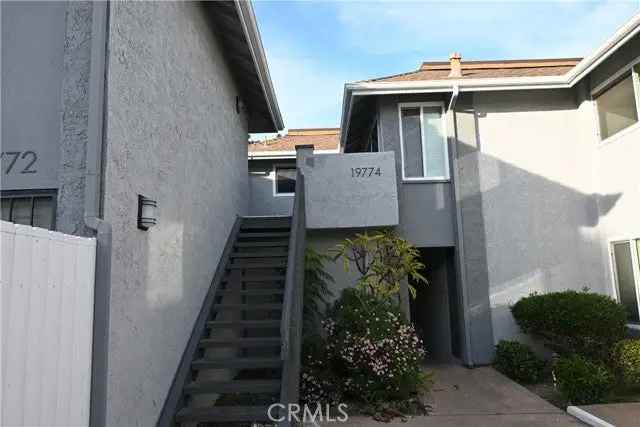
(518, 362)
(626, 362)
(374, 354)
(573, 322)
(582, 381)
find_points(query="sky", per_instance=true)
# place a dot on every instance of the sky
(315, 47)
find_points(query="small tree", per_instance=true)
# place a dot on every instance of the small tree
(316, 290)
(383, 260)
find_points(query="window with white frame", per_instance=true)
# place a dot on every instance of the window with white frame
(423, 141)
(626, 268)
(619, 103)
(285, 180)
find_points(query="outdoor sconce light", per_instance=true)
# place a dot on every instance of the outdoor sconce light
(146, 212)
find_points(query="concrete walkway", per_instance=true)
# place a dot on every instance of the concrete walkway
(479, 397)
(615, 414)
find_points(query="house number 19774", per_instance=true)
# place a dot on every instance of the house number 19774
(365, 172)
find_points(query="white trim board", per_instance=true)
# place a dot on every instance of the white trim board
(587, 418)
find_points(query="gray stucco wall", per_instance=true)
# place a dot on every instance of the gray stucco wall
(173, 135)
(45, 74)
(616, 166)
(337, 196)
(33, 41)
(261, 183)
(426, 209)
(530, 171)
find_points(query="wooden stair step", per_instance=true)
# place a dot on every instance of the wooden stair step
(264, 235)
(275, 243)
(224, 413)
(239, 342)
(257, 265)
(234, 386)
(259, 254)
(243, 323)
(240, 306)
(251, 292)
(261, 278)
(237, 362)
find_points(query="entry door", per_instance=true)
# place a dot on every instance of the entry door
(627, 277)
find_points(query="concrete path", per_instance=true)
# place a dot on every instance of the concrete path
(615, 414)
(479, 397)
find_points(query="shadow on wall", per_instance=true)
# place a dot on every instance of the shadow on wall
(523, 232)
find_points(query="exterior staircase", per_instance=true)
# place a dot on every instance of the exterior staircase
(236, 370)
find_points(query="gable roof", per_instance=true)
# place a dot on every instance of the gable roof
(322, 139)
(487, 69)
(488, 80)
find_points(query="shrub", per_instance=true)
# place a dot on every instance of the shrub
(383, 260)
(316, 290)
(582, 381)
(626, 362)
(573, 322)
(518, 362)
(374, 353)
(318, 383)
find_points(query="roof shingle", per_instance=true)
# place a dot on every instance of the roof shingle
(487, 69)
(320, 138)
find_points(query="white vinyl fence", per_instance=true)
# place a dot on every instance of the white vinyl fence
(47, 285)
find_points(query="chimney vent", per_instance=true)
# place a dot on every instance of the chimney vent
(456, 65)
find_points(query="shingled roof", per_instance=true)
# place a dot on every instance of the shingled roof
(320, 138)
(486, 69)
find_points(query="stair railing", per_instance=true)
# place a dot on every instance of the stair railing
(175, 398)
(291, 325)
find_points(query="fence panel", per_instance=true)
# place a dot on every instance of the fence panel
(47, 286)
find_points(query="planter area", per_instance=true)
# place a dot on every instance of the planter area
(594, 360)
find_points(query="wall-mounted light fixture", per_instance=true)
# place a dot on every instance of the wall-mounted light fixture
(147, 216)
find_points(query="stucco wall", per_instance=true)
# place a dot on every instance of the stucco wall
(336, 196)
(33, 42)
(261, 185)
(534, 165)
(173, 135)
(426, 209)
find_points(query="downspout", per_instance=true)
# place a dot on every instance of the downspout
(92, 214)
(462, 277)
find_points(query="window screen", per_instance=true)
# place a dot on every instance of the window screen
(37, 210)
(424, 143)
(617, 108)
(285, 180)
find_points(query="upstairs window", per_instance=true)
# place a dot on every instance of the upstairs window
(285, 180)
(423, 141)
(618, 104)
(35, 209)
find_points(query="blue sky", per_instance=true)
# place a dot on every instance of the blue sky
(314, 47)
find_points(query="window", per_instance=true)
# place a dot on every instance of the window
(627, 277)
(423, 141)
(36, 209)
(285, 181)
(618, 104)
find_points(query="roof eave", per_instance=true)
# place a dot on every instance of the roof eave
(254, 42)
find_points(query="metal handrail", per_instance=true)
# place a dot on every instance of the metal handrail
(291, 323)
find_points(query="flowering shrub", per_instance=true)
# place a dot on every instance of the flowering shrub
(317, 381)
(372, 354)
